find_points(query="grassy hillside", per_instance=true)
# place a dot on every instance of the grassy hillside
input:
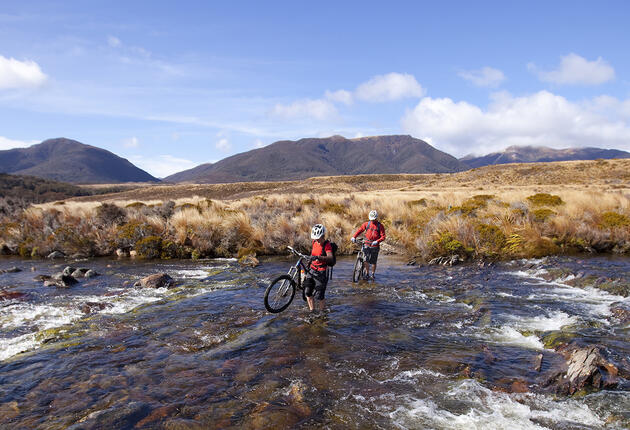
(496, 212)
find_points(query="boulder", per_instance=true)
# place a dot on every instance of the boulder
(13, 269)
(121, 253)
(248, 261)
(90, 274)
(56, 254)
(621, 313)
(60, 280)
(450, 260)
(586, 368)
(68, 271)
(133, 253)
(79, 273)
(157, 280)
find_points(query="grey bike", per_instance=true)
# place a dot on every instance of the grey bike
(360, 266)
(280, 292)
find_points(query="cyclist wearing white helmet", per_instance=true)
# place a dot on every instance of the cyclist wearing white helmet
(317, 277)
(374, 235)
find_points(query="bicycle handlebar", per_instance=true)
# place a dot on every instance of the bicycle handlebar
(299, 254)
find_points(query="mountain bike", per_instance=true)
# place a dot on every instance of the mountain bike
(280, 292)
(360, 266)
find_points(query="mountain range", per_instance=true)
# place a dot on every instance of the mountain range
(67, 160)
(331, 156)
(535, 154)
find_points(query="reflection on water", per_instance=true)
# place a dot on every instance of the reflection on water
(423, 347)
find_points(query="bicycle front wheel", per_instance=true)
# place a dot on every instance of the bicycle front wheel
(358, 270)
(279, 294)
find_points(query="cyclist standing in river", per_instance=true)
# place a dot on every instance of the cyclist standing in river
(317, 275)
(374, 235)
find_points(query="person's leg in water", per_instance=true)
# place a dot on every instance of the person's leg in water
(309, 286)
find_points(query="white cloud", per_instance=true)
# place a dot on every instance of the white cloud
(132, 142)
(162, 165)
(542, 118)
(318, 109)
(20, 74)
(485, 77)
(393, 86)
(6, 143)
(259, 143)
(113, 41)
(339, 96)
(576, 70)
(223, 145)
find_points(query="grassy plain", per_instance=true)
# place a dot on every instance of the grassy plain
(494, 212)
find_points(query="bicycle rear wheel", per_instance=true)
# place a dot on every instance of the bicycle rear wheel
(357, 273)
(279, 294)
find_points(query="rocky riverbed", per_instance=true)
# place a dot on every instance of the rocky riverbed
(523, 344)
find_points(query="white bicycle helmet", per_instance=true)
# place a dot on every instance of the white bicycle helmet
(373, 215)
(317, 231)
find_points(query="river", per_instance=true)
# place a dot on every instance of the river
(421, 347)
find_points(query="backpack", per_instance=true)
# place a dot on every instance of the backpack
(333, 245)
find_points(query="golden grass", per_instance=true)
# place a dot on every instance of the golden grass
(482, 213)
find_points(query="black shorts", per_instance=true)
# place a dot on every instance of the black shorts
(371, 254)
(315, 282)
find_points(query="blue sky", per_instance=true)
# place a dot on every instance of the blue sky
(170, 85)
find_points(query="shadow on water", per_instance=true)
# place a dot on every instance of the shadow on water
(420, 347)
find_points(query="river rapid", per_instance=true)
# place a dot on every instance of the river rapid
(421, 347)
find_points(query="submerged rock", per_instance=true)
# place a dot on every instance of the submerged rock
(116, 417)
(91, 307)
(13, 269)
(157, 280)
(68, 271)
(79, 273)
(60, 280)
(11, 295)
(248, 261)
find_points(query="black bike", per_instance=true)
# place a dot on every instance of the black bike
(280, 292)
(360, 266)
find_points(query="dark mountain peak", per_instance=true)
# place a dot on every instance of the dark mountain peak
(68, 160)
(325, 156)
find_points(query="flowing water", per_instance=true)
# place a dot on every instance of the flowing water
(421, 347)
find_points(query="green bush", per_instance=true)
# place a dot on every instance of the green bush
(544, 199)
(469, 206)
(414, 203)
(491, 238)
(132, 232)
(149, 247)
(135, 205)
(614, 220)
(542, 214)
(446, 244)
(308, 202)
(336, 208)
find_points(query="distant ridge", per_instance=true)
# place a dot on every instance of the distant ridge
(331, 156)
(534, 154)
(67, 160)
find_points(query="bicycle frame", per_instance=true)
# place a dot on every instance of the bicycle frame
(296, 270)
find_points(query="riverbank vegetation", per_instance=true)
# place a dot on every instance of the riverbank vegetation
(480, 220)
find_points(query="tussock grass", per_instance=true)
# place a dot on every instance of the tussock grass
(478, 214)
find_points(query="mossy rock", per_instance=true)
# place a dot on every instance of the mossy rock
(545, 199)
(555, 339)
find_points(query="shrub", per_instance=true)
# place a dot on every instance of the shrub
(149, 247)
(491, 238)
(334, 208)
(446, 244)
(308, 202)
(108, 213)
(613, 220)
(414, 203)
(135, 205)
(542, 214)
(132, 232)
(188, 206)
(544, 199)
(514, 244)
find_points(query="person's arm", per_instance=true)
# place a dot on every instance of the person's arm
(328, 258)
(382, 231)
(360, 230)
